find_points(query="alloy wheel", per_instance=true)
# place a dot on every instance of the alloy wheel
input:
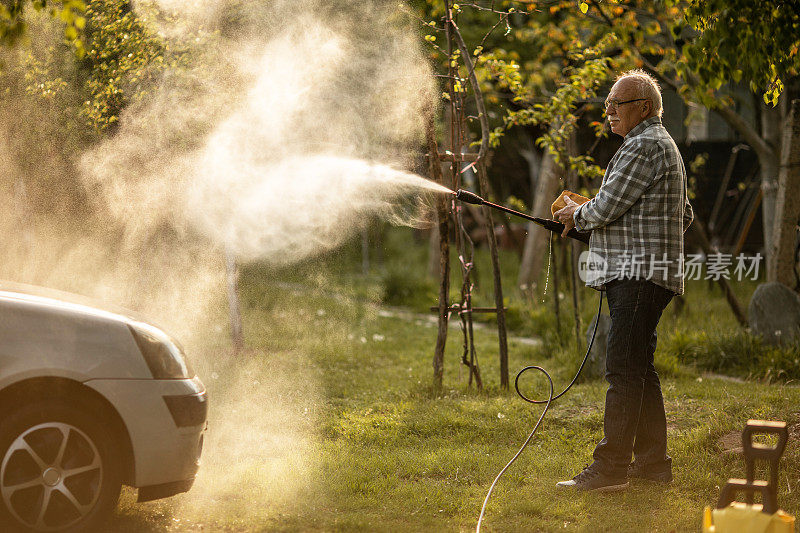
(51, 476)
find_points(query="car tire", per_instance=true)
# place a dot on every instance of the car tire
(58, 469)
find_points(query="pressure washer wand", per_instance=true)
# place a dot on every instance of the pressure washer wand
(552, 225)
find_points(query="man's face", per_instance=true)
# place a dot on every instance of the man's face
(623, 118)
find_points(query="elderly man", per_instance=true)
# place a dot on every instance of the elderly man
(637, 219)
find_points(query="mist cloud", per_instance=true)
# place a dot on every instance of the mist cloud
(282, 141)
(290, 126)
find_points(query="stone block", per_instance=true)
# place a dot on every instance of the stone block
(774, 313)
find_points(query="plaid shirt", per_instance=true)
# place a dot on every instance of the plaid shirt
(641, 211)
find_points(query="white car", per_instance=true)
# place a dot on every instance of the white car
(89, 400)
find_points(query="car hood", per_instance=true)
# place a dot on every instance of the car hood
(67, 301)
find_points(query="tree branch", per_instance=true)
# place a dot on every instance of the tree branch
(602, 13)
(476, 89)
(749, 134)
(504, 17)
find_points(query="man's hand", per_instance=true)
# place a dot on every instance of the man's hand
(564, 215)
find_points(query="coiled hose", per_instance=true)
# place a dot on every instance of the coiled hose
(550, 399)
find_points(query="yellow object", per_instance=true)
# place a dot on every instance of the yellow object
(742, 518)
(560, 203)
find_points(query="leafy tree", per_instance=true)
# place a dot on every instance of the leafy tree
(122, 59)
(703, 49)
(744, 39)
(63, 101)
(538, 65)
(13, 25)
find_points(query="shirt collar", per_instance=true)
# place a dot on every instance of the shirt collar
(643, 125)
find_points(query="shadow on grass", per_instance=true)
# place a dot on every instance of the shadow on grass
(132, 517)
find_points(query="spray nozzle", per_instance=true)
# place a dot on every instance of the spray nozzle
(469, 197)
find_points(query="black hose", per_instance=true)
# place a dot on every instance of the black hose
(550, 399)
(578, 373)
(552, 225)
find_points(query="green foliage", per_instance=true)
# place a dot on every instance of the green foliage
(122, 57)
(70, 12)
(734, 353)
(541, 70)
(745, 39)
(58, 103)
(560, 112)
(697, 164)
(122, 61)
(516, 203)
(702, 46)
(531, 72)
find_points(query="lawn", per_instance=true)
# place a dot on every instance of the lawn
(328, 421)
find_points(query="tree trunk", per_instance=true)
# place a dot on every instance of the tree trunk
(787, 204)
(534, 161)
(365, 251)
(698, 228)
(533, 254)
(445, 168)
(771, 133)
(232, 278)
(483, 183)
(443, 252)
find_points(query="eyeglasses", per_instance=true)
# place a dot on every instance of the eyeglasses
(614, 104)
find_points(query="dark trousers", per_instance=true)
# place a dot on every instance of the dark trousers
(634, 421)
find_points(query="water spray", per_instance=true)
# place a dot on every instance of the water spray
(556, 227)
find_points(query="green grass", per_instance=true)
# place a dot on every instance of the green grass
(328, 421)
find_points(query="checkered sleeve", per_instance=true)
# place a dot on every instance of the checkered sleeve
(688, 214)
(629, 177)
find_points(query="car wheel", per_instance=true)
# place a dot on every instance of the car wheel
(58, 471)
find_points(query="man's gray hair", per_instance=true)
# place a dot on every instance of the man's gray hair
(646, 87)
